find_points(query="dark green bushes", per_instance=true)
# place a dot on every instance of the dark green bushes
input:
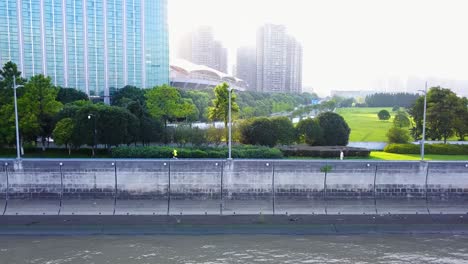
(324, 152)
(163, 152)
(438, 149)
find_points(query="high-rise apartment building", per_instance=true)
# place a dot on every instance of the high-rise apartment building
(294, 66)
(200, 47)
(91, 45)
(246, 68)
(279, 61)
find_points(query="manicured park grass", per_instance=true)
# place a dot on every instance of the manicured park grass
(380, 155)
(364, 123)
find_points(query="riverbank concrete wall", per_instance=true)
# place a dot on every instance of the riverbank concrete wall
(236, 187)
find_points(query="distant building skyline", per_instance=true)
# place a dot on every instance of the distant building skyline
(90, 45)
(200, 47)
(346, 44)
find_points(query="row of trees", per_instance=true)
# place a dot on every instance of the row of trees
(136, 115)
(391, 99)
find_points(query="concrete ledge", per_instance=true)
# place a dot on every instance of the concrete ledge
(239, 224)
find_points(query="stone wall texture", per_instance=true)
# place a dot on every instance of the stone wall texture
(214, 187)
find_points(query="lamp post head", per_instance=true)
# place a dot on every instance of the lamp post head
(89, 116)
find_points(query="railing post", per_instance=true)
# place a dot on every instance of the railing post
(325, 189)
(61, 188)
(169, 189)
(425, 189)
(115, 186)
(221, 204)
(273, 186)
(375, 189)
(7, 188)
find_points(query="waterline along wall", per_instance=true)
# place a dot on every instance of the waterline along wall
(239, 187)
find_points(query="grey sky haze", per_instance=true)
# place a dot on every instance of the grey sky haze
(348, 44)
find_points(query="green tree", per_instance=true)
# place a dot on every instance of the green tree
(398, 135)
(443, 107)
(384, 115)
(401, 119)
(310, 132)
(220, 108)
(69, 95)
(164, 102)
(150, 129)
(8, 73)
(258, 131)
(284, 130)
(37, 108)
(460, 124)
(201, 99)
(335, 129)
(114, 126)
(127, 94)
(63, 133)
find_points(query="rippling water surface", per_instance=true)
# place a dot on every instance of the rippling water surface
(235, 249)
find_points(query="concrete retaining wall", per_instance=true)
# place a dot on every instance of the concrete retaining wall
(240, 187)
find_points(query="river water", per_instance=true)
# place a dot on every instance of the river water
(234, 249)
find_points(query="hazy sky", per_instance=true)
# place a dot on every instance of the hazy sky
(348, 44)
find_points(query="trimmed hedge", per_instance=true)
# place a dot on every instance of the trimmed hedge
(324, 152)
(164, 152)
(438, 149)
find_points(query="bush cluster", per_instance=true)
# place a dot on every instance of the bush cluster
(438, 149)
(164, 152)
(267, 131)
(323, 152)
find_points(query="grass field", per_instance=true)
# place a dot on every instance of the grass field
(378, 155)
(364, 123)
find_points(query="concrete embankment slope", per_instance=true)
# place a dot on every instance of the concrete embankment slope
(221, 192)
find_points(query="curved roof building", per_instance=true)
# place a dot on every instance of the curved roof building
(188, 75)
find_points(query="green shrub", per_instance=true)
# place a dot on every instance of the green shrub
(438, 149)
(164, 152)
(310, 132)
(384, 115)
(402, 148)
(323, 152)
(398, 135)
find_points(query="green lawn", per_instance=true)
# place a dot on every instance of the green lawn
(378, 155)
(364, 123)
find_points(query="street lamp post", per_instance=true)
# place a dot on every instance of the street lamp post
(94, 132)
(424, 122)
(18, 151)
(230, 126)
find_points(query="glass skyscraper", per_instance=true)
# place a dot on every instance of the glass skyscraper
(91, 45)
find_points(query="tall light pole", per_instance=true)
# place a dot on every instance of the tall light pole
(230, 125)
(18, 152)
(424, 123)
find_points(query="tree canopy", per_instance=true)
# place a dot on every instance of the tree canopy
(445, 115)
(335, 129)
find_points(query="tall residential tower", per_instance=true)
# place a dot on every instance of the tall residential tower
(200, 47)
(91, 45)
(279, 61)
(246, 67)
